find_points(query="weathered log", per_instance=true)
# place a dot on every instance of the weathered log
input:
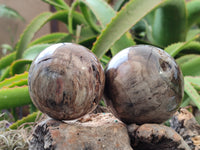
(100, 131)
(155, 137)
(185, 124)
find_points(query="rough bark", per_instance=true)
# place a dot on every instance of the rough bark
(100, 131)
(155, 137)
(185, 124)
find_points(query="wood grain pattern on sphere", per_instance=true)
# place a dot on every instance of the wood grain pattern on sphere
(66, 81)
(143, 85)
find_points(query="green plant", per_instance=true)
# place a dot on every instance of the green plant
(7, 12)
(104, 29)
(179, 36)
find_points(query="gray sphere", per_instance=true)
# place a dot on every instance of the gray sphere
(143, 85)
(66, 81)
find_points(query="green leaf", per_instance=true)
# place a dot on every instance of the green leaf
(132, 12)
(9, 13)
(195, 82)
(58, 4)
(117, 4)
(18, 83)
(88, 17)
(191, 67)
(104, 14)
(86, 33)
(149, 18)
(191, 92)
(50, 38)
(139, 27)
(105, 59)
(192, 47)
(5, 73)
(192, 33)
(101, 10)
(176, 48)
(67, 38)
(193, 10)
(7, 60)
(70, 16)
(14, 97)
(88, 42)
(186, 58)
(170, 23)
(8, 82)
(37, 23)
(7, 47)
(19, 66)
(78, 18)
(33, 51)
(30, 118)
(123, 42)
(29, 32)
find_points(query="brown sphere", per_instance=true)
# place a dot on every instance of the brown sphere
(66, 81)
(143, 85)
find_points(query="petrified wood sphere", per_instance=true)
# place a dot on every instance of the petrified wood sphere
(143, 85)
(66, 81)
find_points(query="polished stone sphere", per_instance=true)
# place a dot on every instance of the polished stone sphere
(66, 81)
(143, 85)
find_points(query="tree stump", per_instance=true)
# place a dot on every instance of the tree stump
(100, 131)
(155, 137)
